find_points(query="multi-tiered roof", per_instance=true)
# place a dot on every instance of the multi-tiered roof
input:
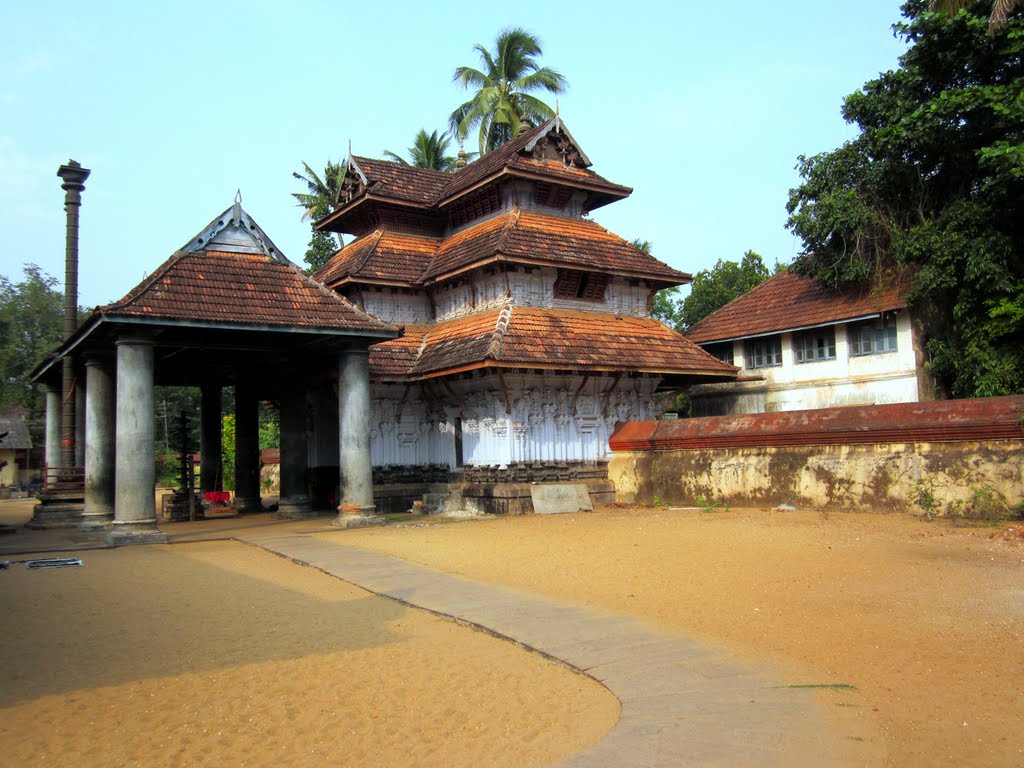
(522, 206)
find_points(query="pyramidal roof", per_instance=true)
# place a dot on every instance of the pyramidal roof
(232, 275)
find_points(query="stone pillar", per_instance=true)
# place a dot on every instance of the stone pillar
(98, 436)
(81, 393)
(247, 449)
(295, 501)
(53, 425)
(134, 503)
(356, 507)
(211, 472)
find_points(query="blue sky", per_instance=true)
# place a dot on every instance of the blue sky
(701, 107)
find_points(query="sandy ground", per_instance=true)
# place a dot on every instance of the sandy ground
(218, 653)
(924, 620)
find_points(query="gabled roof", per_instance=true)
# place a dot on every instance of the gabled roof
(232, 274)
(522, 237)
(788, 302)
(530, 155)
(510, 157)
(530, 337)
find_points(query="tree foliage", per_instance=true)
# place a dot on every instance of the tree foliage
(429, 151)
(504, 86)
(31, 325)
(710, 289)
(930, 191)
(319, 199)
(1001, 10)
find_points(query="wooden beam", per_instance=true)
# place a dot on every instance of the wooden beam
(504, 388)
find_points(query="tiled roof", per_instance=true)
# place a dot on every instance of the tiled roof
(240, 289)
(791, 301)
(381, 256)
(17, 436)
(406, 183)
(533, 337)
(508, 155)
(429, 188)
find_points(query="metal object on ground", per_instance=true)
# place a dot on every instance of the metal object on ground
(46, 562)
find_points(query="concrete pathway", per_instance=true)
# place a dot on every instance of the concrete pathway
(683, 703)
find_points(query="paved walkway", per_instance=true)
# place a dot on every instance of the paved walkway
(683, 703)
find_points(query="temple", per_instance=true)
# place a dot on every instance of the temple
(526, 326)
(479, 336)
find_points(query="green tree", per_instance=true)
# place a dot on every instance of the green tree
(31, 325)
(714, 288)
(319, 199)
(504, 84)
(931, 191)
(1001, 10)
(429, 151)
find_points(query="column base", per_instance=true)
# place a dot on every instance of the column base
(96, 522)
(248, 505)
(135, 532)
(357, 517)
(295, 508)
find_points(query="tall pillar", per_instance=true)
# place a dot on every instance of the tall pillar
(73, 177)
(134, 503)
(247, 448)
(295, 501)
(211, 476)
(53, 426)
(99, 445)
(357, 507)
(81, 390)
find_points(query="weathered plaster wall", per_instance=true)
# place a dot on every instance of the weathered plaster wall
(853, 457)
(866, 477)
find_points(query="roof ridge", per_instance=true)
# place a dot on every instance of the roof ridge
(368, 251)
(500, 329)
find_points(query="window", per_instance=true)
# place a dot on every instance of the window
(765, 352)
(813, 346)
(574, 284)
(872, 338)
(722, 351)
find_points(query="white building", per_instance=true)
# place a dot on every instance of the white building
(800, 346)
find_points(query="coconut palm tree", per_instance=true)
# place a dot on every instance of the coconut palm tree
(322, 194)
(503, 86)
(1001, 10)
(429, 151)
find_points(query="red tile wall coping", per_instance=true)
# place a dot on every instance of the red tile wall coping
(993, 418)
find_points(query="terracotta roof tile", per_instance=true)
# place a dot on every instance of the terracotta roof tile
(405, 183)
(536, 238)
(381, 256)
(532, 337)
(240, 288)
(790, 301)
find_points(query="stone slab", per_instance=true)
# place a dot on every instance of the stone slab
(561, 498)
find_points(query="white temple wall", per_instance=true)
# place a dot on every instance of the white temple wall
(534, 289)
(409, 428)
(396, 305)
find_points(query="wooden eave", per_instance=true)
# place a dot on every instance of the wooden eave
(356, 280)
(482, 364)
(366, 198)
(501, 258)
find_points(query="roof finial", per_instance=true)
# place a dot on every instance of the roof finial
(556, 108)
(236, 214)
(461, 161)
(524, 123)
